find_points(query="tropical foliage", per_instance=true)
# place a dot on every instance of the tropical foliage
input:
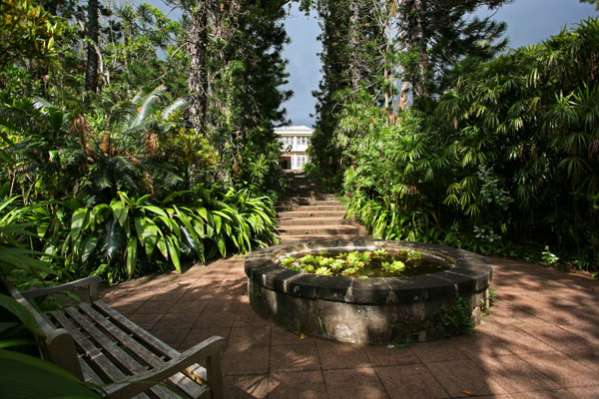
(507, 158)
(105, 170)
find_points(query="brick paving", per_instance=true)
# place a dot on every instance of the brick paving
(541, 339)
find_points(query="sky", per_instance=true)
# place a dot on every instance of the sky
(529, 21)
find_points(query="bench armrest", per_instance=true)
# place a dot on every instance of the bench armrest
(91, 283)
(210, 350)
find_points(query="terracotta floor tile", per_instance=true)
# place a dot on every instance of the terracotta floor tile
(194, 307)
(251, 361)
(246, 337)
(358, 383)
(518, 341)
(482, 342)
(561, 369)
(529, 347)
(167, 294)
(414, 381)
(294, 357)
(128, 309)
(384, 356)
(179, 320)
(171, 336)
(585, 392)
(154, 306)
(249, 386)
(214, 319)
(338, 356)
(559, 394)
(146, 321)
(438, 351)
(514, 374)
(558, 338)
(197, 335)
(245, 316)
(464, 378)
(299, 385)
(589, 357)
(280, 336)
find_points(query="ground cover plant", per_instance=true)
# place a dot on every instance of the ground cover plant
(364, 264)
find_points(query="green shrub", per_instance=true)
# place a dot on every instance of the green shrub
(131, 236)
(505, 162)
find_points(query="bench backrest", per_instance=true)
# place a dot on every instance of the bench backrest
(55, 344)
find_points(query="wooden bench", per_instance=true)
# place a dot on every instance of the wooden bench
(101, 346)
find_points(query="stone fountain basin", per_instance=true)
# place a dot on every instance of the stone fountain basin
(375, 310)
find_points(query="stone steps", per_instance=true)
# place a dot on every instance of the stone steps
(333, 229)
(310, 208)
(316, 237)
(311, 201)
(286, 215)
(312, 221)
(308, 213)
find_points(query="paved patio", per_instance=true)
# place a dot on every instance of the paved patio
(540, 341)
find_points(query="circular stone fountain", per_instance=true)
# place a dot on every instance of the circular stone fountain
(367, 310)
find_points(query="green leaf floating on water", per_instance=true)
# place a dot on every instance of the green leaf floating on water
(364, 264)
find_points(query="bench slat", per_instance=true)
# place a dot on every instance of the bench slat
(125, 323)
(90, 375)
(110, 346)
(184, 383)
(91, 351)
(127, 340)
(189, 386)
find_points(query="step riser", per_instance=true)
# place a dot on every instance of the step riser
(289, 215)
(286, 238)
(318, 231)
(312, 222)
(296, 205)
(311, 212)
(311, 208)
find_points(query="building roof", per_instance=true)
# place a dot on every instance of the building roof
(294, 129)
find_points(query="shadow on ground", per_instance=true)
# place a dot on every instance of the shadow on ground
(540, 341)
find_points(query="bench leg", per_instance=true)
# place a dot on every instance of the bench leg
(215, 375)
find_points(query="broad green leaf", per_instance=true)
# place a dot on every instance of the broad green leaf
(114, 240)
(156, 210)
(88, 248)
(120, 212)
(131, 256)
(78, 222)
(203, 212)
(21, 313)
(29, 377)
(217, 223)
(173, 250)
(16, 342)
(162, 247)
(222, 247)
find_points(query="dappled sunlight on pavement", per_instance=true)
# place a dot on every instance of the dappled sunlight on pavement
(540, 341)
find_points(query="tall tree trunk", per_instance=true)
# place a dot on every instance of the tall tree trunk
(198, 74)
(404, 95)
(422, 82)
(354, 44)
(92, 34)
(405, 35)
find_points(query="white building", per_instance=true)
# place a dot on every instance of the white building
(295, 141)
